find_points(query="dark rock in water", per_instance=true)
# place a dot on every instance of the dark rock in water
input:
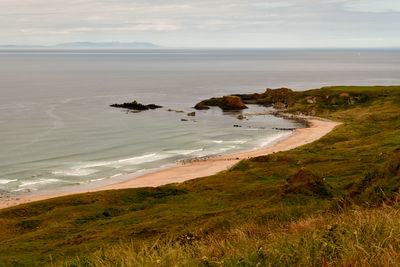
(236, 125)
(177, 111)
(153, 106)
(184, 120)
(192, 114)
(225, 103)
(136, 106)
(285, 129)
(201, 106)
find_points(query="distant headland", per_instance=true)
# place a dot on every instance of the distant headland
(89, 45)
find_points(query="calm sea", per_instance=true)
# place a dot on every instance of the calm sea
(57, 131)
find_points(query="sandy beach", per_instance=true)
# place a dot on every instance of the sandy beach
(318, 128)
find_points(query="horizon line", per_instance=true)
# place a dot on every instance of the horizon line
(155, 47)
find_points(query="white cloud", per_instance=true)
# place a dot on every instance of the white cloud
(201, 23)
(368, 39)
(271, 5)
(373, 6)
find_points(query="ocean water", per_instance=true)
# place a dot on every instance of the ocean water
(57, 131)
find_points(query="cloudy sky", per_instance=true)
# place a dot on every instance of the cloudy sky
(204, 23)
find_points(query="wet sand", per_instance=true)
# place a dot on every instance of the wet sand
(196, 169)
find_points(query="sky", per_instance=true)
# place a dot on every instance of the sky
(204, 23)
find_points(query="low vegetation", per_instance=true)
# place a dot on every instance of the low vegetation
(352, 238)
(330, 203)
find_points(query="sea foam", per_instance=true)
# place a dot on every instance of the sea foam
(5, 181)
(39, 181)
(239, 142)
(88, 168)
(75, 172)
(272, 139)
(185, 152)
(138, 160)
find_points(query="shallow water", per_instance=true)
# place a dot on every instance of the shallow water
(57, 129)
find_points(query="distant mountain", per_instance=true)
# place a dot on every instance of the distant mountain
(21, 46)
(89, 45)
(108, 45)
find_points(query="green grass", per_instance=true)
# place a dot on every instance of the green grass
(242, 216)
(366, 237)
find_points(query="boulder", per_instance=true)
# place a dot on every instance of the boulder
(232, 103)
(201, 106)
(225, 103)
(153, 106)
(192, 114)
(177, 111)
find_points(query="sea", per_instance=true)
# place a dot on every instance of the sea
(58, 132)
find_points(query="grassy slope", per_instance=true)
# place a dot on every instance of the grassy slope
(355, 163)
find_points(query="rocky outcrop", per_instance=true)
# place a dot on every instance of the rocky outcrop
(283, 97)
(232, 103)
(305, 183)
(225, 103)
(136, 106)
(280, 98)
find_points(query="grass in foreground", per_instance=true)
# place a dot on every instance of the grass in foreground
(318, 204)
(360, 237)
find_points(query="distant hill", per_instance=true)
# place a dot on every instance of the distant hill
(89, 45)
(21, 46)
(108, 44)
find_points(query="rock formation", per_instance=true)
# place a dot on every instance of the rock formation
(282, 98)
(136, 106)
(225, 103)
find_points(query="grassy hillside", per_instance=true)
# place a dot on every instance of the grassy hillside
(334, 201)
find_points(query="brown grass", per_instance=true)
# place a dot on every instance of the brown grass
(359, 237)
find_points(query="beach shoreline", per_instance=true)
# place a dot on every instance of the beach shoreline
(316, 129)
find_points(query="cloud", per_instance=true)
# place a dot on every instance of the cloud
(272, 5)
(373, 6)
(202, 23)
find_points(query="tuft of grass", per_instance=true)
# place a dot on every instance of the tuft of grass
(359, 237)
